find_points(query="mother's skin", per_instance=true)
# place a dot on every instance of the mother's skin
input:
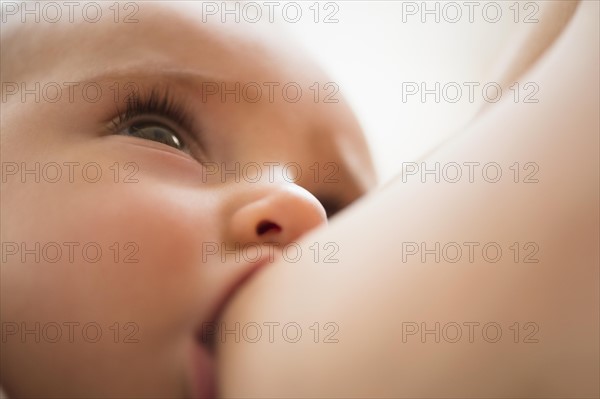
(371, 292)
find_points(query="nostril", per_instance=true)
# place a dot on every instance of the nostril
(266, 227)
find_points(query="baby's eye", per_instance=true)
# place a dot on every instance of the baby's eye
(154, 131)
(159, 117)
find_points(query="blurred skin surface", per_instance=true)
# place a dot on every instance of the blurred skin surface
(375, 291)
(533, 40)
(171, 206)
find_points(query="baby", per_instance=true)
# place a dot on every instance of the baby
(144, 150)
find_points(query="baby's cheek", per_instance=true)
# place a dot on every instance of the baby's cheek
(152, 237)
(122, 253)
(126, 258)
(111, 251)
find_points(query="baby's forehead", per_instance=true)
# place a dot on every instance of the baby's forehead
(161, 32)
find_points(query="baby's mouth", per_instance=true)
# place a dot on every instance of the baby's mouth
(207, 337)
(204, 360)
(208, 334)
(204, 372)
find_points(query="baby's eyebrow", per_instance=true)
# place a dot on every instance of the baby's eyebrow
(144, 71)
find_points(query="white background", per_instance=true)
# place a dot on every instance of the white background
(370, 52)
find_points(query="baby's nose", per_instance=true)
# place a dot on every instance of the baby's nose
(278, 213)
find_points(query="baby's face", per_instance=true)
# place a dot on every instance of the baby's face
(125, 200)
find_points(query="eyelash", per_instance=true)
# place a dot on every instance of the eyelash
(157, 103)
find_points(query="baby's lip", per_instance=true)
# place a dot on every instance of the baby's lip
(206, 334)
(204, 381)
(204, 354)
